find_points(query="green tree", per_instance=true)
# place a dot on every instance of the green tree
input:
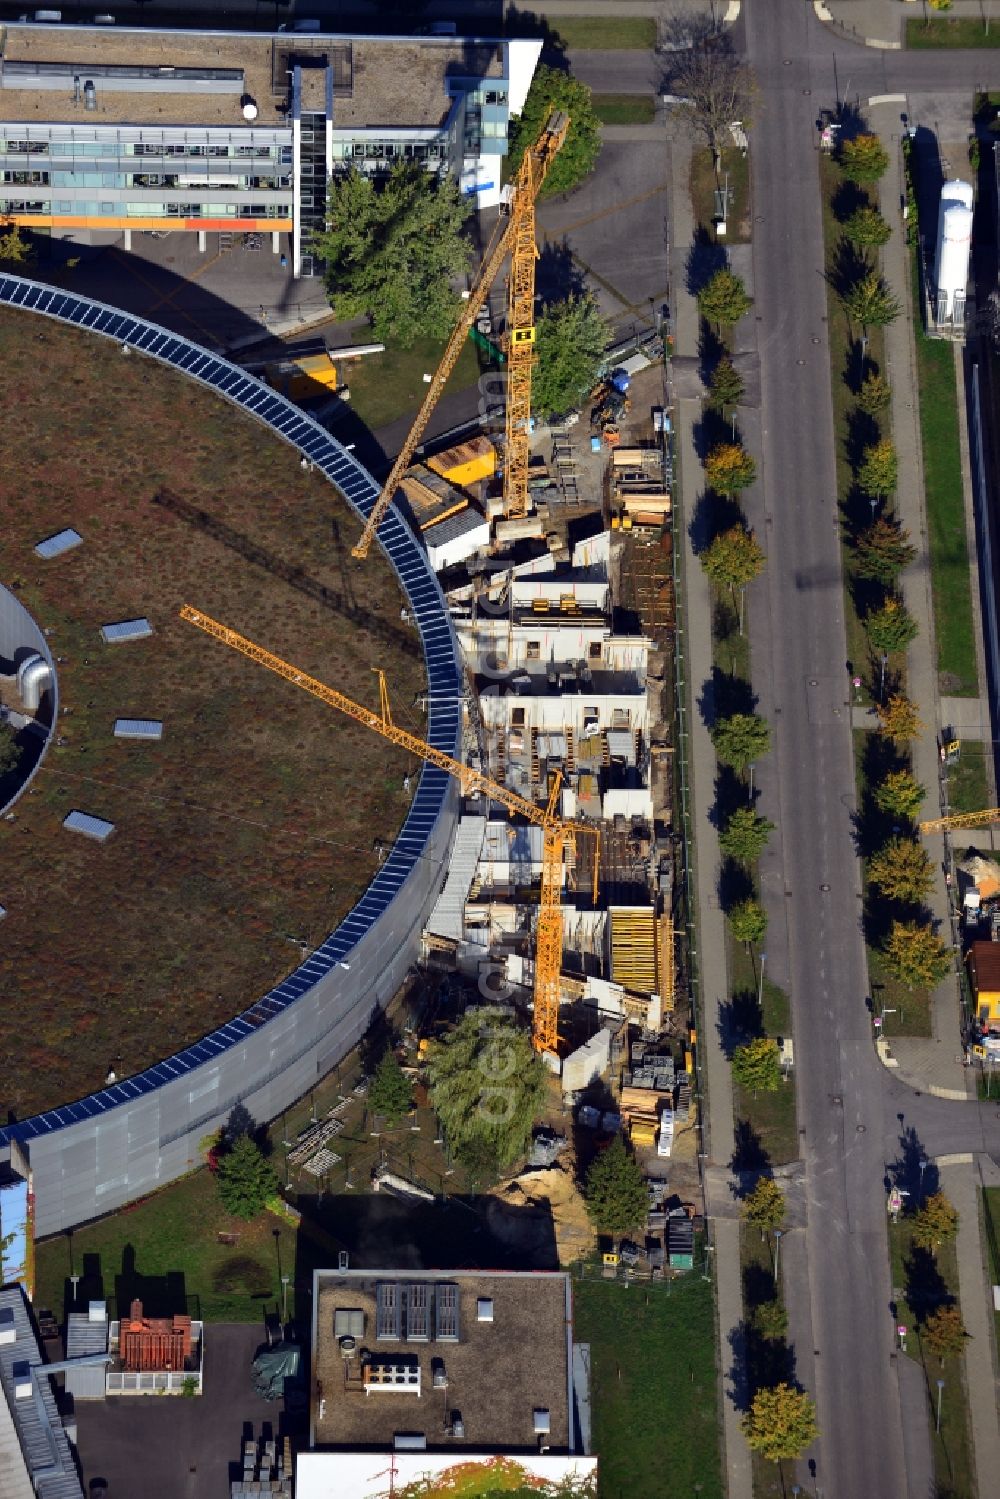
(393, 249)
(487, 1088)
(745, 835)
(572, 339)
(944, 1332)
(725, 385)
(870, 302)
(246, 1179)
(863, 158)
(902, 870)
(729, 468)
(875, 394)
(898, 718)
(935, 1223)
(10, 754)
(390, 1091)
(615, 1192)
(14, 248)
(723, 300)
(890, 628)
(764, 1207)
(740, 739)
(781, 1422)
(878, 472)
(883, 551)
(770, 1320)
(900, 794)
(733, 560)
(553, 88)
(748, 920)
(915, 954)
(756, 1066)
(866, 227)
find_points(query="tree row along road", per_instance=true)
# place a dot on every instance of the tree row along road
(852, 1113)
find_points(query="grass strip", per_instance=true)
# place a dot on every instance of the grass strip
(734, 174)
(951, 581)
(922, 1282)
(606, 33)
(950, 31)
(652, 1350)
(623, 109)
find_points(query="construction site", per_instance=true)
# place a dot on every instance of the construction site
(554, 549)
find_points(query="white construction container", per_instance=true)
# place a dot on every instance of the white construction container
(954, 246)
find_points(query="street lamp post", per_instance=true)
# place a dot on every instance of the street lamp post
(777, 1252)
(923, 1167)
(940, 1385)
(284, 1297)
(760, 984)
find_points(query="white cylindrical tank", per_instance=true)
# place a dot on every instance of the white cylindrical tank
(954, 244)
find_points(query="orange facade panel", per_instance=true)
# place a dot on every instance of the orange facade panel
(190, 226)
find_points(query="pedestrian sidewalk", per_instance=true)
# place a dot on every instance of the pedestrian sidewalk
(960, 1183)
(934, 1063)
(882, 23)
(694, 617)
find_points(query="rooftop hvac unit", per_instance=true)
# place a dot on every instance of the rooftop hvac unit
(348, 1346)
(439, 1378)
(250, 110)
(89, 95)
(457, 1425)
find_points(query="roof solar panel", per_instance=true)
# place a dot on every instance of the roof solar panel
(418, 1311)
(126, 629)
(446, 1312)
(138, 728)
(54, 546)
(388, 1311)
(91, 827)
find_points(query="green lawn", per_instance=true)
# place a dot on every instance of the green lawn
(606, 33)
(967, 789)
(387, 386)
(172, 1241)
(991, 1223)
(771, 1116)
(944, 31)
(935, 1280)
(951, 579)
(654, 1387)
(623, 109)
(734, 174)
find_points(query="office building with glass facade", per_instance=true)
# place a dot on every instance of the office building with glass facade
(106, 130)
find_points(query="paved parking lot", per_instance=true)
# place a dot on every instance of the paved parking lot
(215, 297)
(169, 1447)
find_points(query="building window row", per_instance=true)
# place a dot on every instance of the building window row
(386, 150)
(114, 150)
(67, 207)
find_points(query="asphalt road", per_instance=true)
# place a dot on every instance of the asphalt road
(859, 1127)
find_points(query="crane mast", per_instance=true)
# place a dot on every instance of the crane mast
(558, 833)
(513, 236)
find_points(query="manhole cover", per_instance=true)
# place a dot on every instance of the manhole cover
(825, 888)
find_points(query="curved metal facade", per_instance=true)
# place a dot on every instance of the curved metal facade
(93, 1155)
(20, 635)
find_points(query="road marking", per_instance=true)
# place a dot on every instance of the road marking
(170, 295)
(963, 1158)
(732, 13)
(126, 260)
(886, 99)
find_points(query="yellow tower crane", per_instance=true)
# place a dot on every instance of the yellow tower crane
(961, 820)
(558, 833)
(514, 236)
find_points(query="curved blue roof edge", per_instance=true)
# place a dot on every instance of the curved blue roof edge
(444, 680)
